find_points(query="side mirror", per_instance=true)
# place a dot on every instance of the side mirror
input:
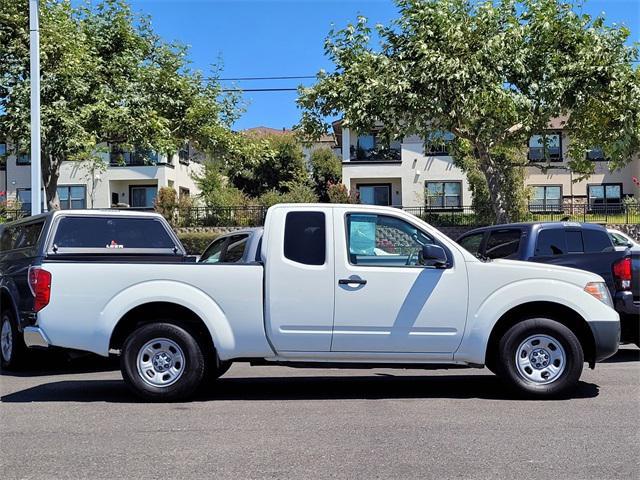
(433, 255)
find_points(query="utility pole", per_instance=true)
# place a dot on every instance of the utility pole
(34, 48)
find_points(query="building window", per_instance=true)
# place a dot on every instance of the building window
(122, 157)
(372, 147)
(546, 198)
(443, 194)
(3, 156)
(375, 194)
(184, 192)
(183, 155)
(605, 194)
(596, 155)
(545, 147)
(142, 196)
(72, 197)
(22, 157)
(23, 195)
(438, 143)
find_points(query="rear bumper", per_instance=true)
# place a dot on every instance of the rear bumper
(624, 303)
(34, 337)
(607, 338)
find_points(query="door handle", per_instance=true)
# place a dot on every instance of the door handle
(350, 281)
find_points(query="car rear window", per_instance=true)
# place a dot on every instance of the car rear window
(551, 241)
(305, 238)
(21, 236)
(112, 233)
(235, 248)
(472, 242)
(503, 243)
(574, 241)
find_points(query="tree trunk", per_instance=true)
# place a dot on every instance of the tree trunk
(495, 182)
(50, 175)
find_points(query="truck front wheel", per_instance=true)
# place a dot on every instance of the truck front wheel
(540, 358)
(162, 362)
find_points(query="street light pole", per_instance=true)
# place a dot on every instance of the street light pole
(34, 47)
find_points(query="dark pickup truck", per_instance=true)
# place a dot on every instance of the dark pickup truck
(71, 235)
(578, 245)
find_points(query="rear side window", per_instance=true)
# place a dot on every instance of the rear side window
(20, 236)
(472, 242)
(551, 241)
(305, 238)
(503, 243)
(111, 233)
(235, 248)
(596, 241)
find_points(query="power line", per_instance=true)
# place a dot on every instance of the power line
(267, 78)
(243, 90)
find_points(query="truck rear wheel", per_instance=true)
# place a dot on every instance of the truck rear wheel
(13, 350)
(540, 358)
(162, 362)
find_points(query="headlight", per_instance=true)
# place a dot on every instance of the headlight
(600, 291)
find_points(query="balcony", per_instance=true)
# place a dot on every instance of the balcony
(137, 158)
(379, 153)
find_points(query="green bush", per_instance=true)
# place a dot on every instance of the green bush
(196, 242)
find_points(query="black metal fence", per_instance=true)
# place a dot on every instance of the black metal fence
(251, 216)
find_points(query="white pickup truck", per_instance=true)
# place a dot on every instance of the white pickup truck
(336, 285)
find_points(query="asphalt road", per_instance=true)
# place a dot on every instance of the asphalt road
(277, 422)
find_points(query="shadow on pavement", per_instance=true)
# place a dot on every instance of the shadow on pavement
(625, 355)
(296, 388)
(41, 363)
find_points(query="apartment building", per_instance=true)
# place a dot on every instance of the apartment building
(403, 173)
(129, 178)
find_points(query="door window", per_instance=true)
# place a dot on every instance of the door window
(379, 240)
(235, 248)
(472, 242)
(214, 251)
(503, 244)
(551, 241)
(596, 241)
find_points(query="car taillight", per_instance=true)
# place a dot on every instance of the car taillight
(40, 285)
(622, 273)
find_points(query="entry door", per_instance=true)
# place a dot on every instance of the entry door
(385, 301)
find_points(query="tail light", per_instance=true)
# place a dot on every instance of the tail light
(40, 286)
(622, 273)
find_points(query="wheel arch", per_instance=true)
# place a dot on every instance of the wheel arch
(545, 309)
(7, 299)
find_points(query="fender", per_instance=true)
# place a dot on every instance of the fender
(483, 318)
(159, 291)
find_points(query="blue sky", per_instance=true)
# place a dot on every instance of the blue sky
(264, 38)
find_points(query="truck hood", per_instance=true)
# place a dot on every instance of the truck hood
(525, 270)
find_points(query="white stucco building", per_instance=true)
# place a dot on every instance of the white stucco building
(126, 179)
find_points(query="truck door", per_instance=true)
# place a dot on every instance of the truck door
(299, 274)
(385, 301)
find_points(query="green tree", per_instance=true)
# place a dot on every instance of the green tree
(493, 73)
(326, 169)
(106, 78)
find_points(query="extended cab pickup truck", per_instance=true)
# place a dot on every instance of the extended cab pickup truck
(337, 285)
(70, 235)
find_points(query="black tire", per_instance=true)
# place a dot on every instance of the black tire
(510, 344)
(13, 357)
(191, 368)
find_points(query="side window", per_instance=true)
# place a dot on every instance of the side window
(213, 251)
(305, 238)
(21, 236)
(235, 249)
(574, 241)
(618, 240)
(596, 241)
(551, 241)
(6, 239)
(378, 240)
(111, 232)
(472, 242)
(503, 243)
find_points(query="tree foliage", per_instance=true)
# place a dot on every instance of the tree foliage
(493, 73)
(326, 169)
(106, 77)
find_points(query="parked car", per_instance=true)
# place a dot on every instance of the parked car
(240, 246)
(578, 245)
(322, 295)
(64, 236)
(621, 240)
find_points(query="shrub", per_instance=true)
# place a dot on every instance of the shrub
(196, 242)
(339, 193)
(326, 169)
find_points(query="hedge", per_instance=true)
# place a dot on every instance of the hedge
(196, 242)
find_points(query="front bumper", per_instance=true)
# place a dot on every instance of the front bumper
(34, 337)
(607, 338)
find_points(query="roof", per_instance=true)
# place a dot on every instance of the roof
(262, 131)
(532, 225)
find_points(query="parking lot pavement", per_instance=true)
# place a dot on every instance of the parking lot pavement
(277, 422)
